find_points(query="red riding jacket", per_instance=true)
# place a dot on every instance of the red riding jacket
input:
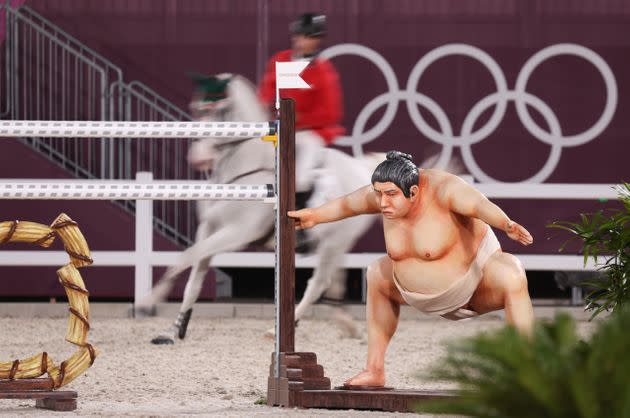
(318, 108)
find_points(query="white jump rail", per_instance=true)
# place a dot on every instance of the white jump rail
(133, 190)
(137, 130)
(143, 258)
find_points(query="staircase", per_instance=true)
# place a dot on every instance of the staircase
(50, 75)
(11, 3)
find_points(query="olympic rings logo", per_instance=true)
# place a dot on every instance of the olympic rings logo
(467, 137)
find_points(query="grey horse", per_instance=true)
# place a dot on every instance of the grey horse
(226, 226)
(230, 226)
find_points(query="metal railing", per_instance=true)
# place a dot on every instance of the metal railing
(165, 158)
(50, 75)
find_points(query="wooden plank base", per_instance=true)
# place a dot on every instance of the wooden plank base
(390, 400)
(54, 400)
(40, 390)
(302, 384)
(58, 404)
(25, 385)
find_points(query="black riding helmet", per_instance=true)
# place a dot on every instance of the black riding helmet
(312, 25)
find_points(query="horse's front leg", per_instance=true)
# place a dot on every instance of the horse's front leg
(191, 294)
(233, 234)
(164, 286)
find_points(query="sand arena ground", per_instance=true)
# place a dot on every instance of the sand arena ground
(221, 368)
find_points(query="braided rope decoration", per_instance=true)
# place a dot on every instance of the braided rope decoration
(79, 322)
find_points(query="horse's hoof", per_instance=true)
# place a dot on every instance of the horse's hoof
(162, 340)
(142, 311)
(270, 334)
(351, 333)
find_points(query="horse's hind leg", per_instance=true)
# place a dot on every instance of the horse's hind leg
(328, 278)
(327, 271)
(329, 262)
(191, 293)
(333, 296)
(337, 288)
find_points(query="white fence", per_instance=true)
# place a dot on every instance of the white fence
(144, 257)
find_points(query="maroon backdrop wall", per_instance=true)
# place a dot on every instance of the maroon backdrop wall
(158, 41)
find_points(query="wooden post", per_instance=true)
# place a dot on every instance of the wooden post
(278, 383)
(286, 233)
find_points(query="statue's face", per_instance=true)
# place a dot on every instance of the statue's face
(392, 200)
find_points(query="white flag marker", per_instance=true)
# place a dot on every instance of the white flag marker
(288, 77)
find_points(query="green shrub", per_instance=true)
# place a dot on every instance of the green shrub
(554, 374)
(605, 234)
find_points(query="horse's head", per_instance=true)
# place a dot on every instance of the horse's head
(220, 98)
(226, 97)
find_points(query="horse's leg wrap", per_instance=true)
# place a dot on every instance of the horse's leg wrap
(182, 323)
(176, 330)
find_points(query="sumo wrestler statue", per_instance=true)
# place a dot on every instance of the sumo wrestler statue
(442, 255)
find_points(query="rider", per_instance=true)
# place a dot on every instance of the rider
(318, 110)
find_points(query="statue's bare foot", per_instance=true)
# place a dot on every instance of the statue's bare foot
(367, 378)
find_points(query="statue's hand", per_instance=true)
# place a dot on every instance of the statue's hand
(518, 233)
(304, 218)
